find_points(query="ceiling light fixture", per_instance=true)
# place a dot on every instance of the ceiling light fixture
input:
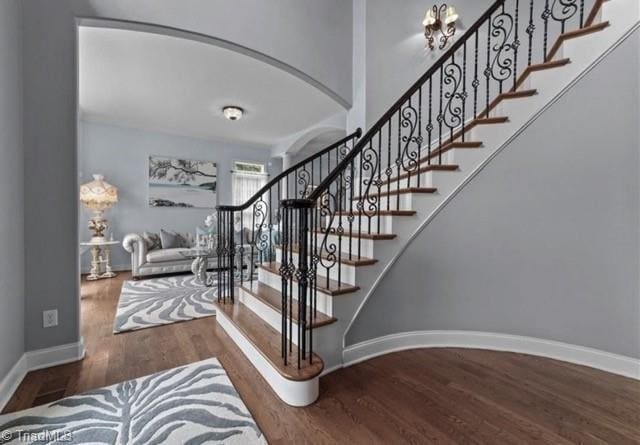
(232, 113)
(440, 19)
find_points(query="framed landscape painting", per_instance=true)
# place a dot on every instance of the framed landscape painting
(182, 183)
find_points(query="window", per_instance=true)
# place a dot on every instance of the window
(248, 178)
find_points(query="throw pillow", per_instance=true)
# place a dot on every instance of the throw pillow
(152, 240)
(173, 240)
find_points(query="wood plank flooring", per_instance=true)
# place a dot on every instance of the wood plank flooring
(418, 396)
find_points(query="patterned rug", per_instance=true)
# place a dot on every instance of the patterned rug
(147, 303)
(194, 404)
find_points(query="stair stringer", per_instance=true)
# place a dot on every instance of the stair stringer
(585, 53)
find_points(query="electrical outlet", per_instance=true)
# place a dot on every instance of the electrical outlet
(50, 318)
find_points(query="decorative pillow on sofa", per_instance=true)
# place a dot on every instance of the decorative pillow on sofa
(172, 240)
(152, 240)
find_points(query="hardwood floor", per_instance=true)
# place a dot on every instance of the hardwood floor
(418, 396)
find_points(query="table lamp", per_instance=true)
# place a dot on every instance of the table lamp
(98, 196)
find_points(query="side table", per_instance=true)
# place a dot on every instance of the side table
(100, 259)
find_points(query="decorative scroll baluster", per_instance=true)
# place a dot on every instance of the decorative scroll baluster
(502, 65)
(563, 10)
(453, 108)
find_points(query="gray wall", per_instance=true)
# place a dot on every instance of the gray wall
(544, 242)
(11, 188)
(121, 154)
(395, 48)
(50, 164)
(297, 35)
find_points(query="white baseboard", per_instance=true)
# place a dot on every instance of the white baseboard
(12, 380)
(38, 359)
(606, 361)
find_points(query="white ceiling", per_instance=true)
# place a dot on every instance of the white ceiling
(179, 86)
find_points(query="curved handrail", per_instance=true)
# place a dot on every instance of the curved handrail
(293, 168)
(397, 106)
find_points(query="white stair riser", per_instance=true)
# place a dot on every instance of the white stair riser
(426, 180)
(395, 202)
(294, 393)
(347, 272)
(375, 224)
(366, 247)
(324, 301)
(267, 313)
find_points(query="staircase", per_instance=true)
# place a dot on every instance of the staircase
(299, 259)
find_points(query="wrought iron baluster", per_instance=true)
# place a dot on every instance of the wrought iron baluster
(291, 271)
(430, 124)
(440, 118)
(389, 170)
(379, 182)
(219, 251)
(516, 45)
(241, 252)
(420, 139)
(464, 88)
(270, 253)
(399, 160)
(360, 207)
(530, 30)
(340, 228)
(476, 82)
(284, 277)
(581, 13)
(487, 71)
(545, 17)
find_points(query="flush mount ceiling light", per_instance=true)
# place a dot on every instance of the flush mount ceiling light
(440, 19)
(232, 113)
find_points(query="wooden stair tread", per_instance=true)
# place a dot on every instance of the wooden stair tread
(273, 298)
(381, 213)
(333, 289)
(269, 342)
(402, 191)
(489, 120)
(539, 67)
(517, 94)
(435, 153)
(572, 35)
(505, 96)
(371, 236)
(344, 258)
(423, 169)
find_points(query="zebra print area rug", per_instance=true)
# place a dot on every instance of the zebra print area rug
(194, 404)
(147, 303)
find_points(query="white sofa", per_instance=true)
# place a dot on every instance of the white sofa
(158, 261)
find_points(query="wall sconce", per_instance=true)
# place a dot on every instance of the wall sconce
(440, 19)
